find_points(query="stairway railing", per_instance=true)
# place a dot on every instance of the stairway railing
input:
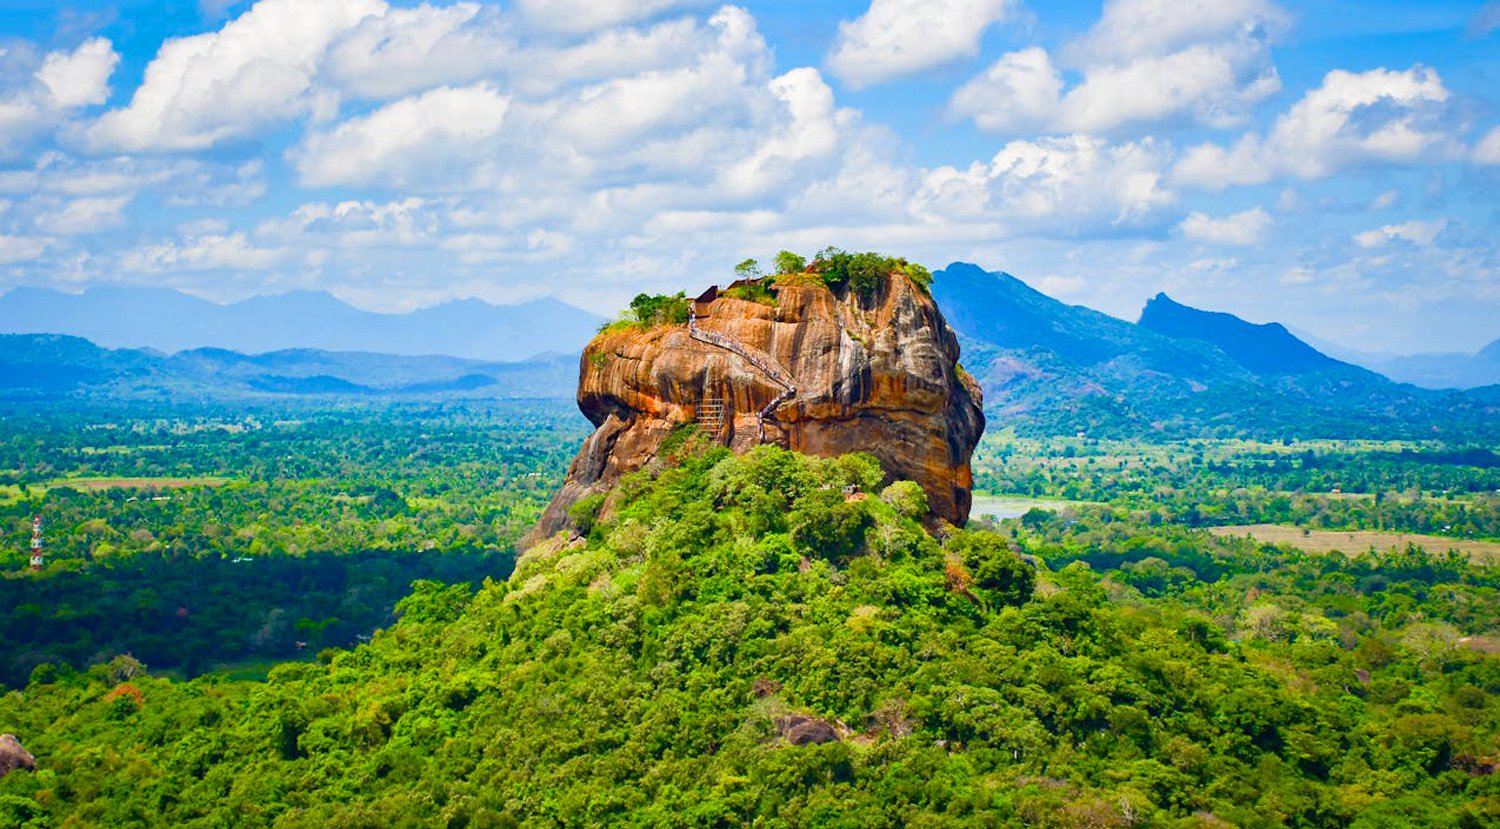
(755, 357)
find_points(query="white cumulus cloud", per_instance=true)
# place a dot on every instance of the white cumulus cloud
(406, 50)
(39, 92)
(356, 224)
(1244, 228)
(1068, 182)
(1351, 118)
(421, 141)
(231, 252)
(1144, 61)
(811, 132)
(258, 69)
(1487, 151)
(15, 249)
(540, 69)
(579, 16)
(1021, 90)
(1416, 232)
(85, 215)
(1129, 29)
(901, 37)
(81, 77)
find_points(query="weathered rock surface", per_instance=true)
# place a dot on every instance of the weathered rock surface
(846, 373)
(13, 756)
(799, 730)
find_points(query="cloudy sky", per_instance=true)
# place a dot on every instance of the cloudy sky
(1333, 164)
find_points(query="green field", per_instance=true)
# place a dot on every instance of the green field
(12, 493)
(107, 482)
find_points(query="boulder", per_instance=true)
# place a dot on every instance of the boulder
(799, 730)
(13, 756)
(822, 371)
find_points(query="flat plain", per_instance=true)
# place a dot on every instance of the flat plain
(1359, 541)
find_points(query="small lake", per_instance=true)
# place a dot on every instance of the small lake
(1002, 507)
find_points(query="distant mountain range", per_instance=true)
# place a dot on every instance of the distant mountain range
(172, 321)
(1057, 367)
(53, 366)
(1045, 366)
(1430, 371)
(1441, 371)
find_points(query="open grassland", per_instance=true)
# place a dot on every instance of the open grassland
(12, 493)
(94, 484)
(1351, 543)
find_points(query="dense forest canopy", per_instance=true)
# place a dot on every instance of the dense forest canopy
(313, 614)
(197, 537)
(772, 638)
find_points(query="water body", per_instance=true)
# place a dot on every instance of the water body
(1001, 507)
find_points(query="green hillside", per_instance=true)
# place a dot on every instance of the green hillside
(1049, 368)
(739, 642)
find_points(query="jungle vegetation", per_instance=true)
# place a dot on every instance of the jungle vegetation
(739, 640)
(200, 536)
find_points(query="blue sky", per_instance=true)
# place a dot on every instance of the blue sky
(1333, 165)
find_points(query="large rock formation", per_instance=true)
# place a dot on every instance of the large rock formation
(13, 756)
(822, 372)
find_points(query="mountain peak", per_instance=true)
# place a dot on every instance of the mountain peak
(999, 309)
(1265, 349)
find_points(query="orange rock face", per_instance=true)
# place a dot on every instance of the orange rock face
(845, 372)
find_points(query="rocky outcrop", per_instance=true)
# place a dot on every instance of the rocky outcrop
(820, 371)
(800, 730)
(13, 756)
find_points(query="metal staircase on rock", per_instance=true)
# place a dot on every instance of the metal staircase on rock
(755, 357)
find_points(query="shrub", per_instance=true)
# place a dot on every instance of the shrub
(862, 271)
(585, 512)
(752, 292)
(660, 309)
(832, 265)
(823, 525)
(919, 275)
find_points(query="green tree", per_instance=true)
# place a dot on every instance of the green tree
(1000, 573)
(748, 269)
(907, 498)
(866, 271)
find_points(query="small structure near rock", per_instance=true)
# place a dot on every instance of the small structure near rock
(801, 730)
(702, 306)
(13, 756)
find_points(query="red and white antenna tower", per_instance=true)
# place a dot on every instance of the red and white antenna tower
(36, 542)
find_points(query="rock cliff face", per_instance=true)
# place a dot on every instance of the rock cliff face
(821, 372)
(13, 756)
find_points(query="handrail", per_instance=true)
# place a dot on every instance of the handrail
(755, 357)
